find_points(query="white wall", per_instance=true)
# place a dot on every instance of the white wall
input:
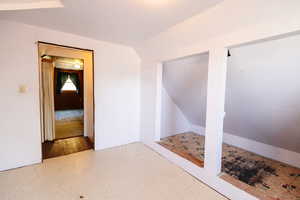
(117, 95)
(185, 80)
(275, 153)
(261, 91)
(230, 23)
(193, 36)
(173, 120)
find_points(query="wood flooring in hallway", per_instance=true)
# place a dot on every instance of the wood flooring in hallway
(66, 146)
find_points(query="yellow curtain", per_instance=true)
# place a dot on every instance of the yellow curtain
(48, 101)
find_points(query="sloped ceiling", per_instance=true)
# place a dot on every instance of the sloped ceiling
(185, 80)
(29, 4)
(121, 21)
(262, 91)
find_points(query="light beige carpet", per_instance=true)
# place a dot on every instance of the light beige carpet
(130, 172)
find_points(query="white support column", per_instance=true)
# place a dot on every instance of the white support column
(215, 110)
(158, 108)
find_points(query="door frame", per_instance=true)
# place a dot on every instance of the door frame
(91, 66)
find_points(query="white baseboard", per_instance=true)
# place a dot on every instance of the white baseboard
(268, 151)
(213, 181)
(197, 129)
(20, 165)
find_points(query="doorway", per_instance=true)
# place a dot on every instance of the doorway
(182, 111)
(67, 99)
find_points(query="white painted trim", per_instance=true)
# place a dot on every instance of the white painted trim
(268, 151)
(22, 164)
(216, 86)
(214, 181)
(198, 129)
(158, 107)
(31, 5)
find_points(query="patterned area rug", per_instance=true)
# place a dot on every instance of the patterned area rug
(68, 114)
(262, 177)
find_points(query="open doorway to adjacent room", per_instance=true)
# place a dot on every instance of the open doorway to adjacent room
(67, 103)
(261, 149)
(183, 106)
(68, 97)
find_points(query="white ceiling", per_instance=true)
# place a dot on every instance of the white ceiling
(29, 4)
(122, 21)
(20, 1)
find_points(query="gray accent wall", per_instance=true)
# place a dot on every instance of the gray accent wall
(262, 92)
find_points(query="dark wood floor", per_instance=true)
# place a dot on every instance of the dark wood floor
(66, 146)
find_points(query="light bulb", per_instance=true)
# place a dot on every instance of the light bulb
(76, 66)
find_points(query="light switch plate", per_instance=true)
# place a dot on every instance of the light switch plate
(23, 89)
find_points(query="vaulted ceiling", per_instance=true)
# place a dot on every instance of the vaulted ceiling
(262, 91)
(127, 21)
